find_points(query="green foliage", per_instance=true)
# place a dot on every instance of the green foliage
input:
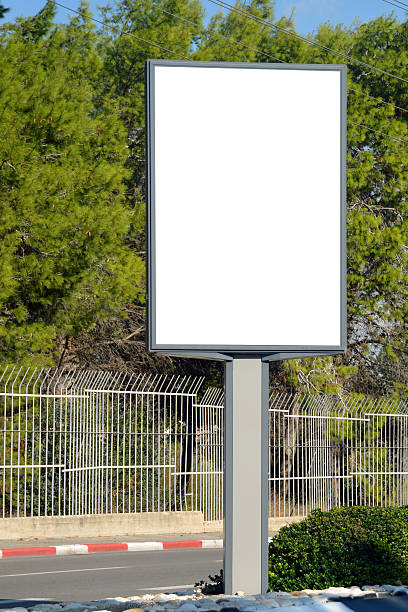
(341, 547)
(72, 182)
(174, 25)
(319, 374)
(35, 28)
(377, 182)
(235, 38)
(3, 11)
(64, 263)
(214, 586)
(377, 223)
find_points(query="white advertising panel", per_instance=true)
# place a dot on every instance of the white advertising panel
(246, 207)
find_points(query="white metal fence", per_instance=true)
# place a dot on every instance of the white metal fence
(330, 451)
(81, 442)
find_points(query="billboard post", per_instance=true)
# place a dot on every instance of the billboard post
(246, 490)
(246, 228)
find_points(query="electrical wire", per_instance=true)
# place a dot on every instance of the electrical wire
(189, 59)
(149, 42)
(227, 38)
(225, 5)
(378, 131)
(107, 25)
(400, 5)
(363, 93)
(236, 42)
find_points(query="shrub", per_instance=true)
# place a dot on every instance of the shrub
(341, 547)
(215, 586)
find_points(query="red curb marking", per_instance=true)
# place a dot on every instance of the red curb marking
(187, 544)
(22, 552)
(107, 547)
(93, 548)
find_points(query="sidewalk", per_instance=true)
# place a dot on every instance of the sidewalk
(129, 538)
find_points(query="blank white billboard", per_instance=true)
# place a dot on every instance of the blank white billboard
(246, 207)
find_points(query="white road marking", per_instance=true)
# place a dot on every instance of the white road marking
(176, 586)
(91, 569)
(142, 546)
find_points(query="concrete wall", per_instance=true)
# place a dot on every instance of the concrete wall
(102, 525)
(274, 524)
(150, 524)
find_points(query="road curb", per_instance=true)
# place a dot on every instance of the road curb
(85, 549)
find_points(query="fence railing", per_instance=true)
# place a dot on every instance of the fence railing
(328, 451)
(79, 442)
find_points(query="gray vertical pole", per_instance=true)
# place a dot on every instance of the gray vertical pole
(246, 486)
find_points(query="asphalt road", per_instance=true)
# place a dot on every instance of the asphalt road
(100, 575)
(26, 581)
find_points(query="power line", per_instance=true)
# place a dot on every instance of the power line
(400, 5)
(189, 59)
(280, 60)
(223, 4)
(246, 14)
(228, 38)
(377, 131)
(363, 93)
(148, 42)
(257, 50)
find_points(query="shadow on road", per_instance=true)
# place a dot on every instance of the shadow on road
(382, 604)
(24, 603)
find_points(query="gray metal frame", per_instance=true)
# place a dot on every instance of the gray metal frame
(269, 353)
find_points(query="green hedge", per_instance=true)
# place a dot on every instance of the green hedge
(341, 547)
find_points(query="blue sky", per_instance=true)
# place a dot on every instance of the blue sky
(309, 13)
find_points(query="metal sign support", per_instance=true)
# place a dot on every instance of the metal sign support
(246, 463)
(246, 490)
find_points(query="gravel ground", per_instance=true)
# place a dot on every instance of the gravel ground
(194, 601)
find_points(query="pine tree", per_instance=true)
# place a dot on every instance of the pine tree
(3, 10)
(73, 181)
(234, 37)
(377, 184)
(177, 26)
(64, 263)
(377, 223)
